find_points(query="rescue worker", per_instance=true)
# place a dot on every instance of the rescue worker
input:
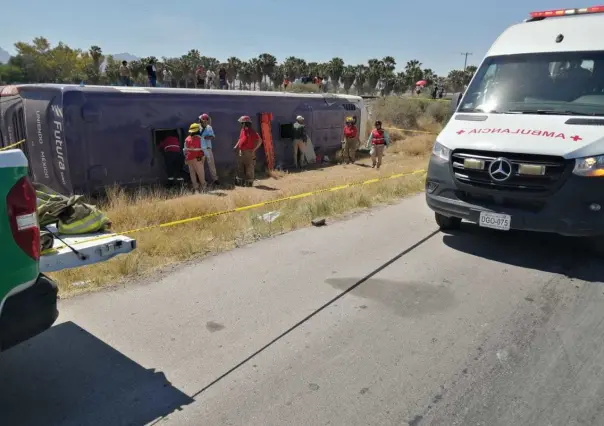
(207, 136)
(379, 139)
(246, 147)
(351, 141)
(170, 148)
(300, 139)
(194, 157)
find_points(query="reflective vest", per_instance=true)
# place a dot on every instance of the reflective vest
(71, 214)
(95, 221)
(378, 137)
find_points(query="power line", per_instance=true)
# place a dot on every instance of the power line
(465, 62)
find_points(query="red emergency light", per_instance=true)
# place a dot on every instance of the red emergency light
(566, 12)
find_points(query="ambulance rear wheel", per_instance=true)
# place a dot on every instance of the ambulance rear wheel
(446, 223)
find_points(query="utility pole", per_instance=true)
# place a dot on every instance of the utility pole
(465, 62)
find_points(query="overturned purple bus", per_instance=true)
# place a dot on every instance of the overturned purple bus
(84, 139)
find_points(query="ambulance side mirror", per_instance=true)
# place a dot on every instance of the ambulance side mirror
(455, 100)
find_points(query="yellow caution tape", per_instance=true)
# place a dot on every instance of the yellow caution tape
(13, 145)
(250, 207)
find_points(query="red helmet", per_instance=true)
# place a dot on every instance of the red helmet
(245, 119)
(204, 117)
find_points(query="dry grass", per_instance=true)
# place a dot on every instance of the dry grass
(161, 247)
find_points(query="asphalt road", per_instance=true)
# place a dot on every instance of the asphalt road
(374, 320)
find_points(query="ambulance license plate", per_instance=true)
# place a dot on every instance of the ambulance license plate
(495, 221)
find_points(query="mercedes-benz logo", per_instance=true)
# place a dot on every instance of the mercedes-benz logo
(500, 170)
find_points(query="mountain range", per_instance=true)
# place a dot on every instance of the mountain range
(5, 56)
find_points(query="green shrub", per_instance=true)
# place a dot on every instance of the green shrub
(411, 113)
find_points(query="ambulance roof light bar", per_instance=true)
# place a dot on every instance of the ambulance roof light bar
(566, 12)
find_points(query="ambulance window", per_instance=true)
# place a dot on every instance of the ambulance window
(556, 82)
(588, 65)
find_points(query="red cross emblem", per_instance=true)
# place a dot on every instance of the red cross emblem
(576, 138)
(460, 132)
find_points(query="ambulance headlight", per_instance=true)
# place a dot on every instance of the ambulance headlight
(441, 152)
(589, 166)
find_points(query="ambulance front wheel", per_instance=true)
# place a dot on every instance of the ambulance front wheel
(446, 223)
(597, 246)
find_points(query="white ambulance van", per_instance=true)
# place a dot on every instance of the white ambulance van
(524, 148)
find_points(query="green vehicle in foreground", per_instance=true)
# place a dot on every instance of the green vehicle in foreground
(28, 298)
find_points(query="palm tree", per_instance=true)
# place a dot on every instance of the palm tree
(210, 63)
(232, 69)
(429, 76)
(246, 73)
(336, 69)
(323, 70)
(96, 53)
(277, 76)
(456, 80)
(361, 78)
(348, 76)
(375, 72)
(469, 73)
(93, 70)
(414, 72)
(189, 64)
(389, 80)
(294, 67)
(402, 83)
(256, 71)
(389, 63)
(268, 63)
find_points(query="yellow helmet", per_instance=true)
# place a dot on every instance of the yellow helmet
(195, 128)
(349, 119)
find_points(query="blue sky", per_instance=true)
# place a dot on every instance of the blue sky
(315, 30)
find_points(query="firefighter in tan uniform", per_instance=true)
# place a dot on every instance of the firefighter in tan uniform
(246, 147)
(351, 141)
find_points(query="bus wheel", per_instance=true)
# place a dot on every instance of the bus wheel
(446, 223)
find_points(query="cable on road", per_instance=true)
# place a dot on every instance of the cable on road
(312, 314)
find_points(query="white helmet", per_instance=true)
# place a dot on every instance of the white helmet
(299, 118)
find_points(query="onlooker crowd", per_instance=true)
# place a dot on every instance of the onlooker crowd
(206, 79)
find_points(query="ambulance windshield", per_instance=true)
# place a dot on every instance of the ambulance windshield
(564, 83)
